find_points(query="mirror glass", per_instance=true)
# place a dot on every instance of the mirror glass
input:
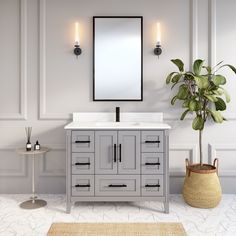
(117, 62)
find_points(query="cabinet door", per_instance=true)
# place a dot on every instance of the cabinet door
(106, 152)
(129, 152)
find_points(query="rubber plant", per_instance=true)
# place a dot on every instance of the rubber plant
(201, 93)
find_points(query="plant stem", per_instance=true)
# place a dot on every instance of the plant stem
(200, 146)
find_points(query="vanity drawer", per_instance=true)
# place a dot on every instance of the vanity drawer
(83, 141)
(152, 185)
(114, 185)
(82, 185)
(152, 163)
(152, 141)
(82, 163)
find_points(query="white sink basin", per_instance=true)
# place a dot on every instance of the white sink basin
(116, 124)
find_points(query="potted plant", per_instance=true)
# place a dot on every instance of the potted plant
(202, 94)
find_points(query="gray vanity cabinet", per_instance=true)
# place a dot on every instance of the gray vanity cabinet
(117, 165)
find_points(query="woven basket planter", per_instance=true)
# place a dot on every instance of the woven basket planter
(202, 186)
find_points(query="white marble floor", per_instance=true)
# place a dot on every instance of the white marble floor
(197, 222)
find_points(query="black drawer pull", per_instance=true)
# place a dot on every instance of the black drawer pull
(117, 185)
(152, 185)
(154, 141)
(82, 141)
(152, 164)
(120, 153)
(82, 164)
(82, 185)
(114, 152)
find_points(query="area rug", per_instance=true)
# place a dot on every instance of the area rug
(116, 229)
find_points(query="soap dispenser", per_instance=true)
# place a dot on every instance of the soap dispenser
(37, 145)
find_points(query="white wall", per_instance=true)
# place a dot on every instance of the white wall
(42, 82)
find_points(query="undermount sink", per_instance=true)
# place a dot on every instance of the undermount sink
(116, 124)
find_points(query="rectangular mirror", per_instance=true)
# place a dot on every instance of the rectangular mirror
(118, 58)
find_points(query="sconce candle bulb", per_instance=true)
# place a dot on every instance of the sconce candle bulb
(77, 49)
(158, 50)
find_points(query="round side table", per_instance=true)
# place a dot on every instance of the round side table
(33, 203)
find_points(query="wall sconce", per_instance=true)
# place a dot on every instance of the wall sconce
(77, 49)
(158, 50)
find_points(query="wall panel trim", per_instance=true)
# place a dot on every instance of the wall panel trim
(43, 114)
(212, 154)
(193, 152)
(22, 115)
(43, 171)
(21, 172)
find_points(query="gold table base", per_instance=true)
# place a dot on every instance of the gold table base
(38, 203)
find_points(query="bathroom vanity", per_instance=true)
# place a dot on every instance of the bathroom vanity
(117, 161)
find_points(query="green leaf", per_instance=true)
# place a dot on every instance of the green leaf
(185, 104)
(217, 92)
(220, 104)
(176, 78)
(173, 100)
(169, 77)
(216, 115)
(198, 123)
(211, 98)
(218, 80)
(192, 105)
(231, 67)
(197, 66)
(218, 64)
(227, 96)
(184, 114)
(183, 92)
(201, 81)
(179, 64)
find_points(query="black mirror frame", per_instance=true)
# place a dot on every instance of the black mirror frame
(118, 100)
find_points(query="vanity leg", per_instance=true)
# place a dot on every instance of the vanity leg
(68, 207)
(166, 206)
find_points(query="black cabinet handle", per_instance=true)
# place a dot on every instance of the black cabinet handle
(152, 185)
(82, 185)
(120, 153)
(152, 164)
(154, 141)
(82, 164)
(82, 141)
(114, 152)
(117, 185)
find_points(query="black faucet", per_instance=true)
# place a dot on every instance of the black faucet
(117, 114)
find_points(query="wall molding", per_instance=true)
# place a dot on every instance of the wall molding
(43, 114)
(193, 152)
(22, 115)
(43, 171)
(212, 154)
(21, 172)
(193, 32)
(212, 32)
(212, 42)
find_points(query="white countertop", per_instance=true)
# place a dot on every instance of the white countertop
(116, 125)
(129, 120)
